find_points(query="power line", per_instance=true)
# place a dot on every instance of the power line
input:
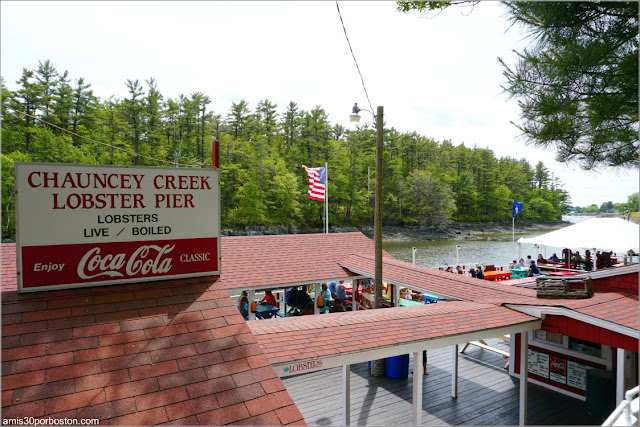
(133, 153)
(354, 57)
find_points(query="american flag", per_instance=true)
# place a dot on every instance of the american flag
(317, 179)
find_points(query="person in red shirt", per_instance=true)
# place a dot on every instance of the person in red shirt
(268, 299)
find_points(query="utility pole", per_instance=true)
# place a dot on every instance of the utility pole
(377, 214)
(377, 218)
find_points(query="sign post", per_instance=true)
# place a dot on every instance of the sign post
(86, 225)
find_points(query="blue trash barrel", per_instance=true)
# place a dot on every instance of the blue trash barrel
(398, 366)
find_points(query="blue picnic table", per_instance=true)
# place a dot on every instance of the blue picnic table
(266, 311)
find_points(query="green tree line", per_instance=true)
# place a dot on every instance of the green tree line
(609, 207)
(51, 117)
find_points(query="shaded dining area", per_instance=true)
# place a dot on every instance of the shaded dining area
(487, 395)
(309, 344)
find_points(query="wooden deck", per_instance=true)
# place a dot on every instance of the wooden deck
(487, 395)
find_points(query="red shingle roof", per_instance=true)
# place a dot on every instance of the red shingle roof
(147, 353)
(178, 351)
(306, 337)
(431, 279)
(254, 261)
(618, 308)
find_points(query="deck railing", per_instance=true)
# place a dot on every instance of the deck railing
(626, 414)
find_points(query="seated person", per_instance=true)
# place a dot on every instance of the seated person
(472, 272)
(521, 264)
(479, 273)
(325, 293)
(341, 292)
(459, 270)
(309, 310)
(337, 307)
(449, 269)
(554, 258)
(576, 256)
(513, 264)
(243, 305)
(405, 293)
(268, 299)
(291, 296)
(533, 269)
(332, 289)
(367, 297)
(302, 299)
(588, 261)
(541, 259)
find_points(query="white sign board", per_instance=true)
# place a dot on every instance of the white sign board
(577, 375)
(538, 363)
(80, 225)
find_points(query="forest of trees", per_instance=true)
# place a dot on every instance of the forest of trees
(262, 148)
(609, 207)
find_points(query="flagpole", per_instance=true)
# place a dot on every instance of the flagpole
(326, 197)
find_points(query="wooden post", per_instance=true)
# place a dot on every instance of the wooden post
(316, 293)
(396, 296)
(454, 372)
(377, 217)
(252, 296)
(215, 154)
(354, 292)
(346, 395)
(417, 388)
(524, 367)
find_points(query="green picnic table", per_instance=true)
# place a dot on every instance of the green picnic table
(518, 273)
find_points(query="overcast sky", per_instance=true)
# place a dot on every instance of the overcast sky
(438, 76)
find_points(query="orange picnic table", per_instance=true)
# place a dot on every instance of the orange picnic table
(497, 275)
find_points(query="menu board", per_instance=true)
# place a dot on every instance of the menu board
(558, 369)
(577, 375)
(538, 363)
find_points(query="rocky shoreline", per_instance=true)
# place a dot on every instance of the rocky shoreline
(451, 231)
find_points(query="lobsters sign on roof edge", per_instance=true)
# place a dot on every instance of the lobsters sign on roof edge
(607, 234)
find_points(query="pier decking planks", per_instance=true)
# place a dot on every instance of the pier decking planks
(487, 395)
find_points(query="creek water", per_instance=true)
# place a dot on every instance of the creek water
(497, 252)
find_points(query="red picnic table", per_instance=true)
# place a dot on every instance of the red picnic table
(496, 275)
(561, 273)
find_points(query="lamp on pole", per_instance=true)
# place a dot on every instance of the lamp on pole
(377, 215)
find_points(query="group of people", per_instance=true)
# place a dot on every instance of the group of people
(243, 302)
(473, 272)
(331, 295)
(530, 265)
(602, 260)
(299, 300)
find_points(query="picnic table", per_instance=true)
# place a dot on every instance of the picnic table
(266, 311)
(517, 273)
(497, 275)
(561, 273)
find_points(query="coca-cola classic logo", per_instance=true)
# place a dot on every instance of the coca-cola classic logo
(146, 259)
